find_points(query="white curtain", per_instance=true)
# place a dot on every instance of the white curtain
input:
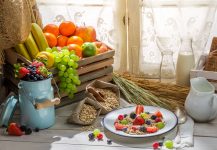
(176, 19)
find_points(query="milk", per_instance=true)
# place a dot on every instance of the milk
(185, 63)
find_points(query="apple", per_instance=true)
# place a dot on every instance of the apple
(101, 47)
(87, 33)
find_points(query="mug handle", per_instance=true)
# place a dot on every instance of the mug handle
(47, 103)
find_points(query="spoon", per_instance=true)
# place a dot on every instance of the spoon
(181, 114)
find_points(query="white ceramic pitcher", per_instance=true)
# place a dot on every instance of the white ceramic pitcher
(201, 102)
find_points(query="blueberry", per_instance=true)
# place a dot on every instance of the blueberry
(23, 128)
(160, 143)
(91, 136)
(31, 77)
(109, 142)
(36, 130)
(34, 72)
(28, 131)
(125, 115)
(147, 112)
(153, 117)
(124, 129)
(148, 122)
(142, 129)
(132, 115)
(35, 79)
(41, 77)
(37, 76)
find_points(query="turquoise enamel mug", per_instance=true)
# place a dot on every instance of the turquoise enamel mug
(37, 102)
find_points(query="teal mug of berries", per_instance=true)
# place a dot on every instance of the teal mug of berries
(36, 99)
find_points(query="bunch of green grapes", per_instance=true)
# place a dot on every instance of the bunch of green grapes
(66, 63)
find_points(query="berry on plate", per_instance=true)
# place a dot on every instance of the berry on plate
(120, 117)
(132, 115)
(139, 109)
(138, 121)
(152, 129)
(119, 126)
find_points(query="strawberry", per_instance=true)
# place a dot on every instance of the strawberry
(119, 126)
(22, 72)
(139, 109)
(14, 129)
(158, 114)
(151, 129)
(139, 121)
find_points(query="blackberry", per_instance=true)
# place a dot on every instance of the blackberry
(125, 115)
(160, 143)
(91, 136)
(28, 131)
(142, 129)
(132, 115)
(153, 117)
(148, 122)
(109, 142)
(23, 128)
(36, 130)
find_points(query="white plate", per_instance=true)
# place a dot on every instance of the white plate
(170, 119)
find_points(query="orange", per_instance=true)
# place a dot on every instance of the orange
(76, 48)
(51, 28)
(67, 28)
(62, 40)
(75, 40)
(51, 39)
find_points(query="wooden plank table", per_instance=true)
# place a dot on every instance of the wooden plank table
(63, 136)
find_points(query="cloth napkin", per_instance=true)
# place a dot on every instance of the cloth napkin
(185, 135)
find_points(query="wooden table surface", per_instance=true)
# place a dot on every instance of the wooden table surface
(63, 136)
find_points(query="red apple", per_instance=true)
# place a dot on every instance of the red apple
(87, 33)
(101, 47)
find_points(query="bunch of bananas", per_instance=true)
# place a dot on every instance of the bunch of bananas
(34, 43)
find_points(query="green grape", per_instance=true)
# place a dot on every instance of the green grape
(64, 48)
(70, 70)
(160, 125)
(96, 132)
(63, 85)
(62, 79)
(65, 74)
(60, 73)
(54, 49)
(67, 91)
(64, 63)
(55, 53)
(60, 54)
(73, 88)
(75, 65)
(66, 52)
(71, 62)
(76, 80)
(59, 65)
(49, 50)
(73, 56)
(57, 59)
(66, 58)
(70, 86)
(68, 80)
(62, 67)
(71, 75)
(169, 144)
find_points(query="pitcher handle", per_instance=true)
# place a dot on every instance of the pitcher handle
(47, 103)
(213, 105)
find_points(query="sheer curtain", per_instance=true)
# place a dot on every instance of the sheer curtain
(176, 19)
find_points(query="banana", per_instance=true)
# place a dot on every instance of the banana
(21, 49)
(31, 46)
(39, 37)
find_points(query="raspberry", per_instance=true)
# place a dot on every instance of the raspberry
(100, 136)
(155, 145)
(158, 120)
(120, 117)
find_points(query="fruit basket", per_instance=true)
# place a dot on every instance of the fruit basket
(89, 69)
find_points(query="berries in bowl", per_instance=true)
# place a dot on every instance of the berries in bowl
(140, 122)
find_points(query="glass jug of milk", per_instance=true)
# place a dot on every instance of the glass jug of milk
(185, 62)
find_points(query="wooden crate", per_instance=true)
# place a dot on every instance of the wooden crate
(199, 72)
(89, 69)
